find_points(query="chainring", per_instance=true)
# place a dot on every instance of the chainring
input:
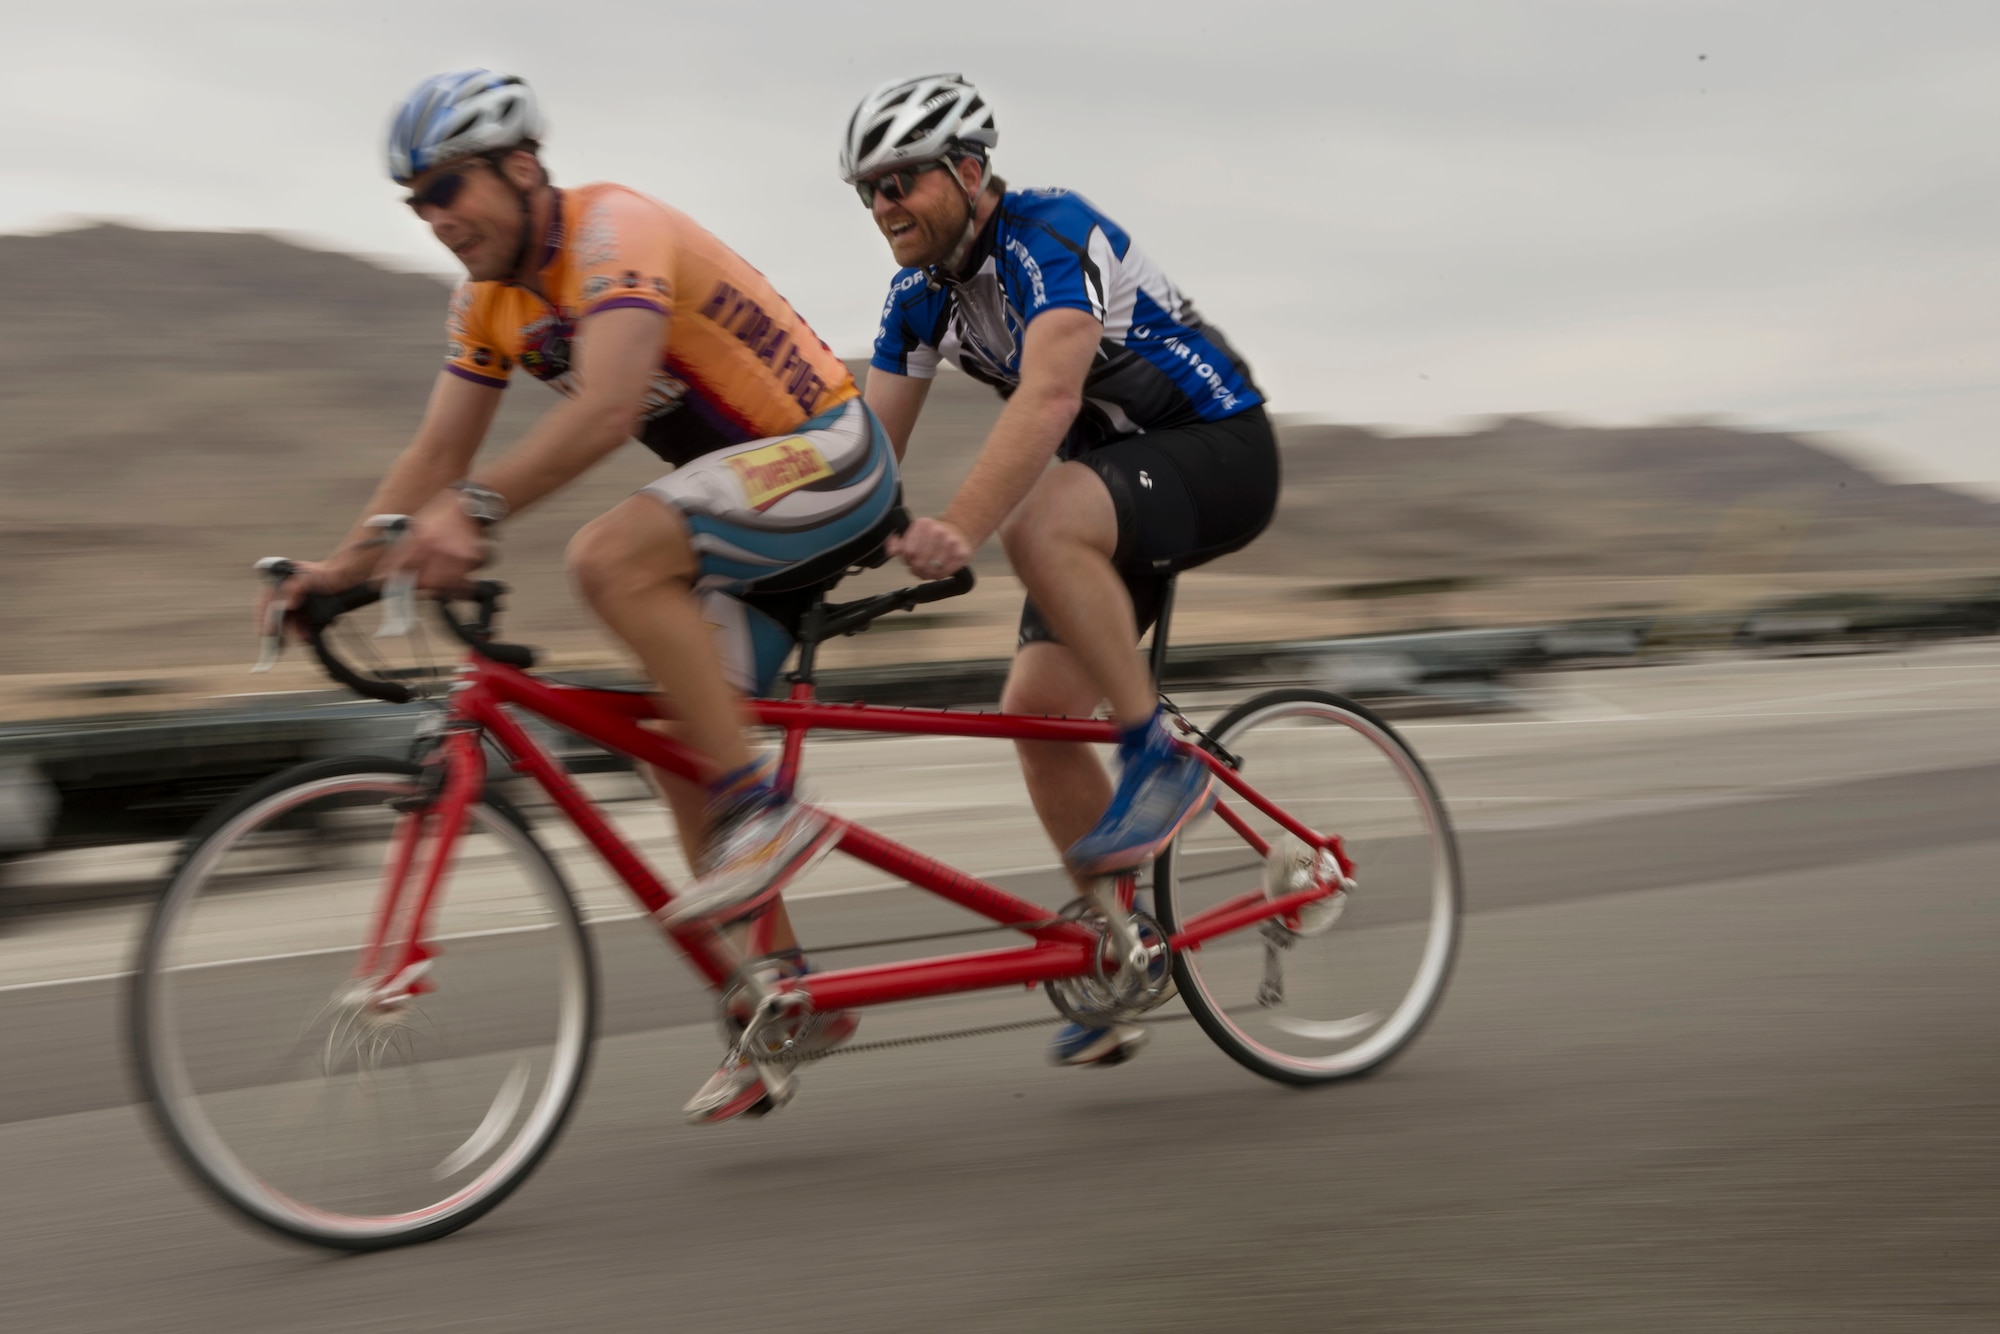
(1108, 994)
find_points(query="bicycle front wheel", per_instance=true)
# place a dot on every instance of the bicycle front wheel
(1349, 982)
(303, 1105)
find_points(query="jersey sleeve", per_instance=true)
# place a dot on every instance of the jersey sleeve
(1058, 255)
(469, 352)
(900, 348)
(623, 256)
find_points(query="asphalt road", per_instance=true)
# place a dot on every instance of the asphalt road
(1719, 1054)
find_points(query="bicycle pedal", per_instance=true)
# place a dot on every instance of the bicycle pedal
(780, 1087)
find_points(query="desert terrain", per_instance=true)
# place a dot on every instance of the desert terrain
(180, 404)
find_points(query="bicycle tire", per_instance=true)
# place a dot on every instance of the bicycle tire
(1414, 888)
(183, 1110)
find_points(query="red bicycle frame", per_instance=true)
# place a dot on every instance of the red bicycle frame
(397, 954)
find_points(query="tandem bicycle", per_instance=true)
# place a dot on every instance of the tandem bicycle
(374, 1044)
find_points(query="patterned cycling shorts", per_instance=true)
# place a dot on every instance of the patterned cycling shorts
(773, 519)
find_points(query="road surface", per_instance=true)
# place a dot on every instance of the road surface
(1719, 1054)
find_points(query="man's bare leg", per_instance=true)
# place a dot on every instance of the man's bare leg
(687, 802)
(1060, 541)
(1066, 782)
(636, 568)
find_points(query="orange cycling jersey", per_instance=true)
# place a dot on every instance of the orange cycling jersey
(737, 362)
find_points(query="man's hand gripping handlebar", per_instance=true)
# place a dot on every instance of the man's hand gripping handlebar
(290, 584)
(294, 595)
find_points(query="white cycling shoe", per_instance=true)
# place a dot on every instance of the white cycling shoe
(751, 856)
(737, 1087)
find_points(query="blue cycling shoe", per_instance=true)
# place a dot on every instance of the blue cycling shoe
(1077, 1045)
(1159, 791)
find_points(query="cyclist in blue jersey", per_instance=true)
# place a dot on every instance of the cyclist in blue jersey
(1166, 456)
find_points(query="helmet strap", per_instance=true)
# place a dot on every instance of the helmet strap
(527, 241)
(956, 259)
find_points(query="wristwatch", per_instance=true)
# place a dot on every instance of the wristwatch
(481, 503)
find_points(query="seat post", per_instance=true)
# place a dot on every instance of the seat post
(811, 626)
(1158, 650)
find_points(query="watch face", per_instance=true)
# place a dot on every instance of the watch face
(479, 503)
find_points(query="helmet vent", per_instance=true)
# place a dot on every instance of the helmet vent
(908, 121)
(924, 127)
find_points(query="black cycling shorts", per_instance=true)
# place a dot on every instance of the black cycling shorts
(1183, 497)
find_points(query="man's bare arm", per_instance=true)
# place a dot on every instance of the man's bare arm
(617, 357)
(456, 420)
(897, 400)
(1056, 356)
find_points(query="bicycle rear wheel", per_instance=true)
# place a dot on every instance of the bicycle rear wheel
(300, 1103)
(1352, 980)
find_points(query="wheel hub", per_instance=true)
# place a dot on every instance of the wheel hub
(1293, 866)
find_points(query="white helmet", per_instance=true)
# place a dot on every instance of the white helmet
(459, 115)
(914, 120)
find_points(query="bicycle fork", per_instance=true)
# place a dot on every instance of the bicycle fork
(395, 966)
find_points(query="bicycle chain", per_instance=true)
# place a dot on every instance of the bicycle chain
(919, 1039)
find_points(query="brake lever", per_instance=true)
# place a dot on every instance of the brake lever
(271, 642)
(399, 605)
(399, 602)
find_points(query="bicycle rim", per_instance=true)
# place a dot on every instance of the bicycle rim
(302, 1104)
(1352, 981)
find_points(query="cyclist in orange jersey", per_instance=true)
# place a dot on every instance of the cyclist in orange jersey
(650, 327)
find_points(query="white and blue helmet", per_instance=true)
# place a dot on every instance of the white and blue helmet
(459, 115)
(906, 121)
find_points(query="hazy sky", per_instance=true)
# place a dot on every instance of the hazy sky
(1784, 212)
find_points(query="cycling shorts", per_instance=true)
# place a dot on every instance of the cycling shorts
(773, 520)
(1183, 496)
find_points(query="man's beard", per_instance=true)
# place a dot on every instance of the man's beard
(944, 244)
(503, 261)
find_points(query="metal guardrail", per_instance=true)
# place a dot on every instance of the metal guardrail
(136, 777)
(152, 776)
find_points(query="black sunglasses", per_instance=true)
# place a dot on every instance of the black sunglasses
(439, 193)
(894, 186)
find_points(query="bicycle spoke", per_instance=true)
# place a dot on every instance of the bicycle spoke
(506, 1104)
(1341, 985)
(351, 1124)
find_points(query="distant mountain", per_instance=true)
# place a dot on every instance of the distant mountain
(179, 403)
(1528, 496)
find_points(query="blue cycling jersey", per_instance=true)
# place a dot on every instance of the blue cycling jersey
(1158, 365)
